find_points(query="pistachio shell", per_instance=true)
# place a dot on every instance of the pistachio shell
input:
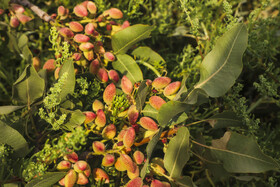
(80, 11)
(100, 174)
(91, 7)
(109, 93)
(161, 82)
(129, 137)
(98, 147)
(126, 85)
(49, 65)
(66, 32)
(148, 123)
(100, 119)
(136, 182)
(108, 160)
(172, 88)
(102, 75)
(156, 102)
(81, 38)
(109, 132)
(138, 157)
(76, 26)
(96, 105)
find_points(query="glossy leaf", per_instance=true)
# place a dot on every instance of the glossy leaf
(126, 38)
(12, 137)
(225, 119)
(9, 109)
(150, 111)
(169, 110)
(74, 118)
(221, 67)
(69, 85)
(177, 153)
(141, 95)
(149, 150)
(241, 154)
(127, 66)
(28, 87)
(147, 54)
(46, 180)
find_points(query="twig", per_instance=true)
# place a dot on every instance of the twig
(42, 14)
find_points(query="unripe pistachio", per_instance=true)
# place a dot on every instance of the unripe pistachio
(109, 132)
(80, 166)
(87, 46)
(87, 171)
(109, 93)
(80, 11)
(88, 55)
(114, 13)
(82, 179)
(148, 123)
(76, 56)
(156, 102)
(61, 11)
(100, 174)
(90, 116)
(125, 24)
(157, 169)
(23, 18)
(89, 28)
(136, 182)
(98, 147)
(102, 75)
(99, 49)
(62, 181)
(133, 175)
(121, 135)
(81, 38)
(66, 32)
(70, 178)
(109, 56)
(76, 26)
(119, 165)
(96, 105)
(72, 157)
(157, 183)
(18, 9)
(1, 11)
(91, 7)
(56, 73)
(49, 65)
(138, 157)
(84, 3)
(127, 162)
(63, 165)
(161, 82)
(114, 76)
(126, 85)
(94, 66)
(108, 27)
(36, 63)
(149, 82)
(132, 114)
(100, 119)
(172, 88)
(108, 160)
(129, 137)
(14, 22)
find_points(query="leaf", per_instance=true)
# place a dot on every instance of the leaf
(150, 111)
(9, 109)
(183, 90)
(141, 95)
(225, 119)
(179, 118)
(29, 86)
(25, 53)
(126, 38)
(147, 54)
(12, 137)
(127, 66)
(177, 153)
(149, 150)
(4, 4)
(74, 118)
(46, 180)
(241, 154)
(221, 67)
(184, 181)
(196, 97)
(169, 110)
(69, 84)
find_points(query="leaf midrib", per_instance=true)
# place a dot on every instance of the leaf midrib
(131, 75)
(211, 76)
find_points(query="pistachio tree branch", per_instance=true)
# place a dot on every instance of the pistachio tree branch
(42, 14)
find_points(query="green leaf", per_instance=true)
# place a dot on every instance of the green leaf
(141, 95)
(25, 53)
(184, 181)
(183, 90)
(179, 118)
(147, 54)
(127, 66)
(221, 67)
(170, 110)
(74, 118)
(46, 180)
(29, 86)
(69, 85)
(150, 111)
(225, 119)
(126, 38)
(4, 4)
(9, 109)
(149, 150)
(241, 154)
(12, 137)
(177, 153)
